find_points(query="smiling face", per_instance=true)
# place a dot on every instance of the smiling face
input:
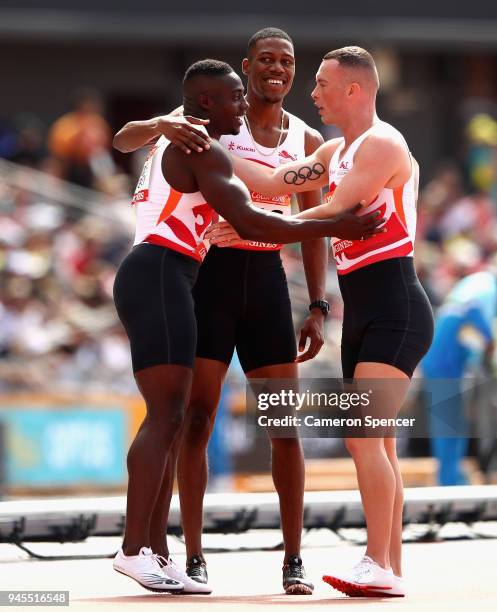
(333, 92)
(226, 105)
(270, 68)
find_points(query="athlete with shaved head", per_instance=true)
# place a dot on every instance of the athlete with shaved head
(388, 322)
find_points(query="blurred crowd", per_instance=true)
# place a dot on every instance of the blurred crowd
(58, 327)
(59, 249)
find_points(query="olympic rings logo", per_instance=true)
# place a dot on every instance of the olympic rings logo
(306, 173)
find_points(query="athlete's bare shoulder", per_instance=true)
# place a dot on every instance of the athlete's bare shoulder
(312, 140)
(386, 137)
(386, 143)
(331, 145)
(181, 170)
(325, 152)
(216, 155)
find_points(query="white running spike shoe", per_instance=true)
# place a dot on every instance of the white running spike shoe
(170, 568)
(145, 569)
(398, 589)
(366, 579)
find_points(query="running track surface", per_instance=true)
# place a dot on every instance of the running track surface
(450, 575)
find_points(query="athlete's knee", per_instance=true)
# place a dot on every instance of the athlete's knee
(165, 421)
(363, 447)
(165, 404)
(176, 416)
(199, 420)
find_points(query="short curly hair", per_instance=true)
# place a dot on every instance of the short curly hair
(207, 67)
(267, 33)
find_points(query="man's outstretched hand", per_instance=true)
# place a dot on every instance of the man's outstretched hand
(181, 131)
(223, 234)
(352, 227)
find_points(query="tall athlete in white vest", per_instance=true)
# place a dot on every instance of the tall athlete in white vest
(252, 311)
(388, 323)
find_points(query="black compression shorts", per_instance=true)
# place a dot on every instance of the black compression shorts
(242, 302)
(387, 316)
(153, 297)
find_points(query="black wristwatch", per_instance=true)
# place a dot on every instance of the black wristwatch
(323, 305)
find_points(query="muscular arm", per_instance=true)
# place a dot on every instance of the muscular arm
(136, 134)
(213, 173)
(379, 162)
(314, 252)
(176, 128)
(296, 177)
(315, 260)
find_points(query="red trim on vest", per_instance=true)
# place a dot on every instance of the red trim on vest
(164, 242)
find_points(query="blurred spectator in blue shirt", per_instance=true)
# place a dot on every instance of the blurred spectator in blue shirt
(463, 337)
